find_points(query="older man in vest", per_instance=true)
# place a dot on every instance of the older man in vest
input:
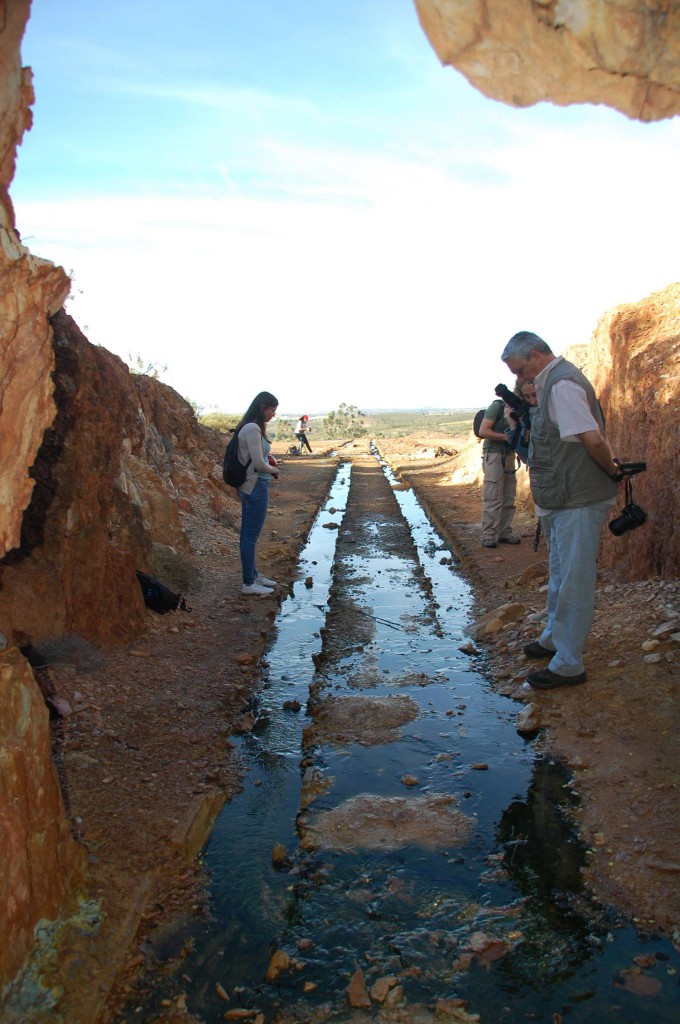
(574, 480)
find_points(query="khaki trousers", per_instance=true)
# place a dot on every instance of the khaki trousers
(498, 502)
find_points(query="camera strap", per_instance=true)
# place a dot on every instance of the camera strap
(629, 490)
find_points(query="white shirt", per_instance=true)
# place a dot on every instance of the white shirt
(567, 404)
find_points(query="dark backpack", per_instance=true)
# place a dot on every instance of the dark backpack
(158, 597)
(233, 471)
(477, 421)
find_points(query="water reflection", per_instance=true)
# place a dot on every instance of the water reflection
(501, 918)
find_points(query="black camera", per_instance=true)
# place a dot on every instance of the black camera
(631, 515)
(518, 405)
(629, 518)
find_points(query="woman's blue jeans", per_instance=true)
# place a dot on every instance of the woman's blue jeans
(253, 513)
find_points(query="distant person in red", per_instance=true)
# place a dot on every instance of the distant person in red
(301, 433)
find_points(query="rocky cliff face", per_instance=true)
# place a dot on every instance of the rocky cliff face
(626, 55)
(40, 859)
(122, 460)
(30, 290)
(122, 457)
(634, 364)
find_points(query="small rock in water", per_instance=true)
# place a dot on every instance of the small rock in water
(243, 724)
(381, 987)
(528, 720)
(394, 996)
(488, 947)
(480, 766)
(280, 858)
(410, 780)
(309, 582)
(278, 962)
(357, 993)
(632, 980)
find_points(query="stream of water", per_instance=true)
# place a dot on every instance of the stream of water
(496, 914)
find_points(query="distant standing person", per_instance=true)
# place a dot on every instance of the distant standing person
(301, 433)
(498, 461)
(253, 451)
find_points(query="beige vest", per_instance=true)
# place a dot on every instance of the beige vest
(562, 473)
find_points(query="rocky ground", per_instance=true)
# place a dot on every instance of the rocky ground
(143, 737)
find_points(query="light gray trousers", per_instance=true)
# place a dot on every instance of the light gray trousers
(574, 539)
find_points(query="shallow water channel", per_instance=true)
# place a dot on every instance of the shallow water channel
(421, 839)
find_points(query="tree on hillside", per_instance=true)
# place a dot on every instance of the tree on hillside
(140, 366)
(222, 421)
(346, 421)
(283, 429)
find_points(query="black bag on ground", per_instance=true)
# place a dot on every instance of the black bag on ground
(158, 597)
(233, 471)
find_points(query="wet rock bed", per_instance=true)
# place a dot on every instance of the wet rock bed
(619, 733)
(143, 749)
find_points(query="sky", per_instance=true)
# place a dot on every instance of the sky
(295, 196)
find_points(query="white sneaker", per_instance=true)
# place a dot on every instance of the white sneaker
(256, 588)
(265, 582)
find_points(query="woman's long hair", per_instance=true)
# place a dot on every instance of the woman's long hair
(255, 411)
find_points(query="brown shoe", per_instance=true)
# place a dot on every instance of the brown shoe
(544, 679)
(536, 650)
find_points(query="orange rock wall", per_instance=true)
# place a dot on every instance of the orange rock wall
(623, 54)
(120, 453)
(39, 859)
(634, 364)
(30, 290)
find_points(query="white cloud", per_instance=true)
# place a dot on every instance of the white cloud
(371, 280)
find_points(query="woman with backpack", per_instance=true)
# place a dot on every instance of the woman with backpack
(253, 453)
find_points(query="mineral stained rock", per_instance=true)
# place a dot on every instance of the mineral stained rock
(624, 53)
(39, 859)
